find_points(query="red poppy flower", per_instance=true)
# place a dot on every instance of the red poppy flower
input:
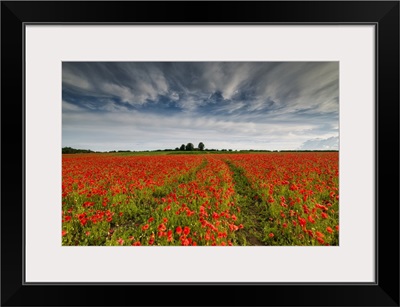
(271, 235)
(305, 209)
(186, 230)
(64, 233)
(178, 230)
(222, 234)
(328, 229)
(162, 227)
(302, 221)
(185, 242)
(233, 227)
(169, 235)
(145, 227)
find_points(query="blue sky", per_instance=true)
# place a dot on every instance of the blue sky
(226, 105)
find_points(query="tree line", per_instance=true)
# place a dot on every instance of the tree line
(183, 147)
(70, 150)
(188, 147)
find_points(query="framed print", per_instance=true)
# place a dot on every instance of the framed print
(240, 151)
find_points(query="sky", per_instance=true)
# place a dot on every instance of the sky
(226, 105)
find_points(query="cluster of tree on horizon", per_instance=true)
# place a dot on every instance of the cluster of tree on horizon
(190, 147)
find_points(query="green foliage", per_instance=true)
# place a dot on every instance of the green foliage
(70, 150)
(189, 147)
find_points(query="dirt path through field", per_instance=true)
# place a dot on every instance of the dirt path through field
(249, 202)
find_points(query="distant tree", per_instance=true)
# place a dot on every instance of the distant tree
(176, 148)
(182, 147)
(201, 146)
(70, 150)
(189, 147)
(67, 150)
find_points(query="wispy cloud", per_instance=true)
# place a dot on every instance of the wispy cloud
(331, 143)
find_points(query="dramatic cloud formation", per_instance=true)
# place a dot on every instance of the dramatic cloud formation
(233, 105)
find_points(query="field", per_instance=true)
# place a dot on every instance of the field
(232, 199)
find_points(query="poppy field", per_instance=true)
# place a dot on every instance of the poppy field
(228, 199)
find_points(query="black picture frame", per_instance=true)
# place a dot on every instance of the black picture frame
(383, 14)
